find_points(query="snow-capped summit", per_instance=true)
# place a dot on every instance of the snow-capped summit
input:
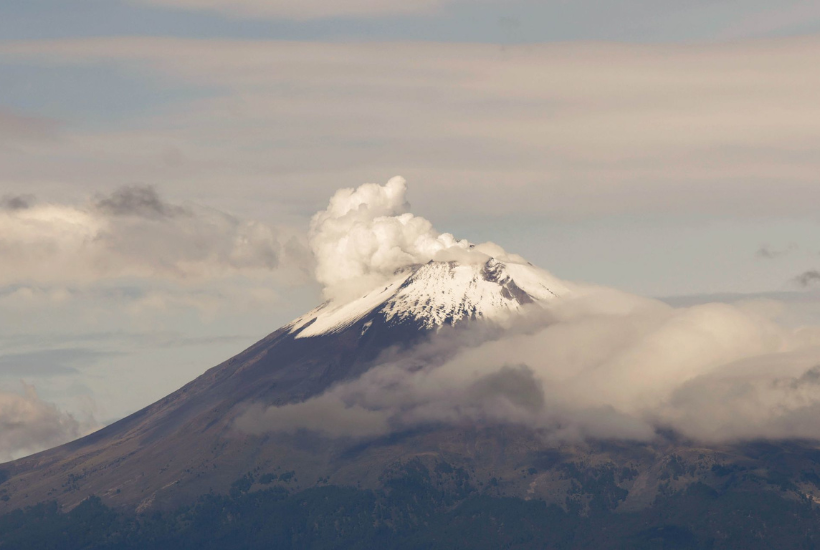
(438, 293)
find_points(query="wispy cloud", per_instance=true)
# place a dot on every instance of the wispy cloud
(768, 252)
(16, 126)
(808, 278)
(782, 17)
(574, 129)
(119, 339)
(49, 362)
(307, 9)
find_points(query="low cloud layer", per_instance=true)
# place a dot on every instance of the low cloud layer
(29, 424)
(600, 365)
(133, 232)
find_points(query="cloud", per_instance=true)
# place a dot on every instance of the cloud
(137, 200)
(16, 202)
(808, 278)
(29, 425)
(783, 17)
(307, 9)
(146, 339)
(595, 363)
(134, 233)
(745, 403)
(49, 362)
(15, 126)
(598, 363)
(766, 252)
(574, 130)
(131, 261)
(366, 235)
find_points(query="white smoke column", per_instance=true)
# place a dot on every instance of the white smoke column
(366, 234)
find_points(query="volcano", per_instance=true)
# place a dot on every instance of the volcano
(187, 443)
(413, 481)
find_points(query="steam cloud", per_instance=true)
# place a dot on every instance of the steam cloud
(366, 234)
(598, 363)
(601, 364)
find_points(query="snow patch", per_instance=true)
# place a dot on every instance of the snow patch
(439, 293)
(331, 317)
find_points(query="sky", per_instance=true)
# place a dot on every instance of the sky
(160, 161)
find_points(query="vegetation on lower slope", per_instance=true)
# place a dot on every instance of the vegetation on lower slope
(424, 508)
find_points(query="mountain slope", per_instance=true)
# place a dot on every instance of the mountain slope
(435, 294)
(186, 443)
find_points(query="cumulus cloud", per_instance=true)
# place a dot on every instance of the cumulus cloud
(28, 424)
(134, 233)
(367, 234)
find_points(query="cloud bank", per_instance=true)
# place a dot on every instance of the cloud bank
(133, 232)
(601, 364)
(29, 424)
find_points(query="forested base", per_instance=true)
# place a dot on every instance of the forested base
(416, 511)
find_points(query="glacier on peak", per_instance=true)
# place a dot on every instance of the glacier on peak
(439, 293)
